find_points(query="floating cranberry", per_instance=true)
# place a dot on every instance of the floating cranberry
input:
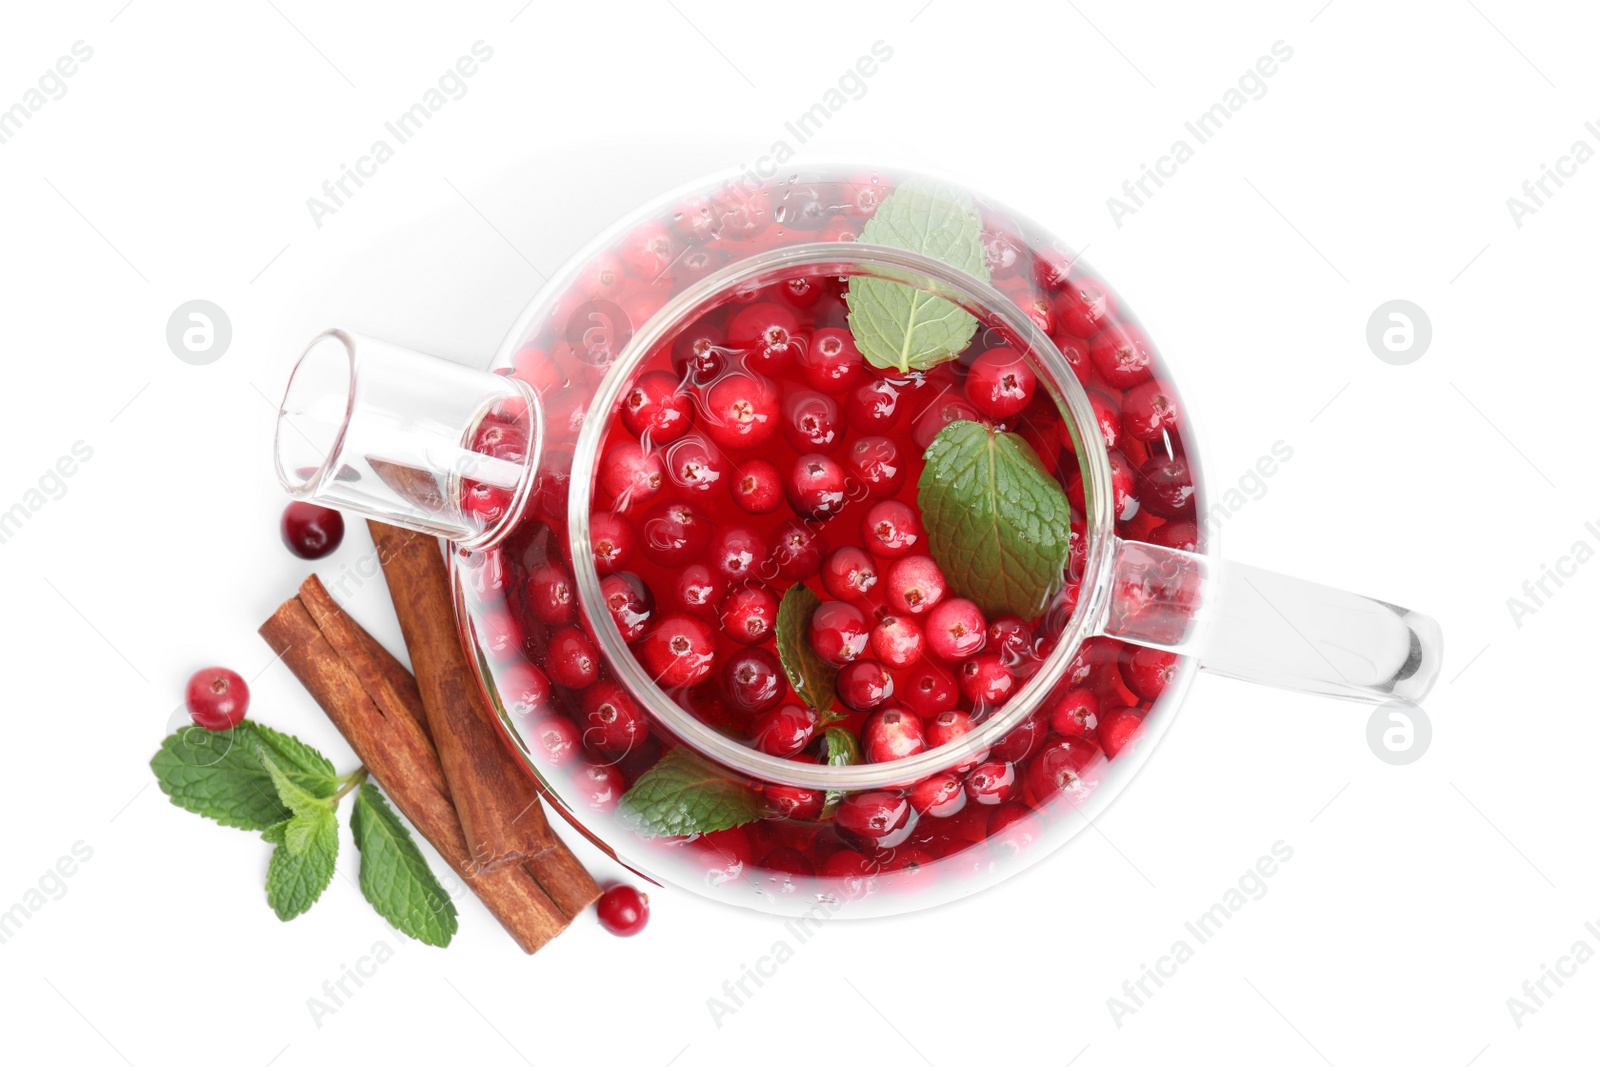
(864, 685)
(811, 422)
(837, 632)
(793, 802)
(757, 486)
(831, 362)
(695, 465)
(849, 573)
(613, 723)
(768, 334)
(874, 814)
(897, 641)
(876, 463)
(674, 533)
(797, 550)
(600, 786)
(915, 585)
(941, 796)
(523, 688)
(1148, 671)
(892, 733)
(930, 689)
(1122, 356)
(992, 782)
(217, 698)
(816, 486)
(748, 613)
(550, 595)
(573, 661)
(630, 475)
(891, 529)
(1000, 383)
(1166, 487)
(613, 539)
(656, 409)
(741, 411)
(1119, 729)
(955, 629)
(737, 552)
(784, 730)
(1149, 410)
(1060, 766)
(679, 651)
(1076, 714)
(873, 407)
(698, 589)
(555, 740)
(753, 681)
(629, 601)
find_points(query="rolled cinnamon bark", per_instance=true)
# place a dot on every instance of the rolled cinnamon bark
(496, 799)
(377, 711)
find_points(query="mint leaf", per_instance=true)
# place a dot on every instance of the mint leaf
(683, 794)
(843, 751)
(295, 879)
(899, 326)
(219, 774)
(997, 525)
(395, 878)
(311, 812)
(811, 678)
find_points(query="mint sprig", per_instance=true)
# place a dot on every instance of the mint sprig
(683, 794)
(997, 525)
(811, 678)
(254, 778)
(844, 750)
(898, 326)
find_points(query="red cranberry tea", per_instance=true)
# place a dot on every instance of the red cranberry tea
(794, 542)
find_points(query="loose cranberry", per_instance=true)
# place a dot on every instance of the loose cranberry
(892, 733)
(1084, 306)
(1060, 766)
(757, 486)
(573, 661)
(657, 409)
(1000, 383)
(623, 910)
(550, 595)
(876, 463)
(698, 354)
(1166, 488)
(695, 465)
(837, 632)
(1122, 355)
(630, 602)
(768, 334)
(741, 411)
(1148, 671)
(600, 786)
(698, 588)
(864, 685)
(1023, 740)
(737, 552)
(679, 651)
(311, 531)
(811, 422)
(797, 550)
(941, 796)
(613, 539)
(986, 681)
(935, 416)
(217, 698)
(748, 613)
(831, 362)
(992, 782)
(955, 629)
(915, 585)
(630, 475)
(753, 681)
(873, 407)
(1181, 535)
(1149, 410)
(674, 533)
(1076, 714)
(523, 688)
(929, 689)
(1012, 638)
(800, 292)
(891, 529)
(816, 486)
(792, 802)
(613, 723)
(1119, 729)
(555, 740)
(849, 573)
(874, 814)
(784, 730)
(897, 641)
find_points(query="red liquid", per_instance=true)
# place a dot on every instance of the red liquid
(588, 738)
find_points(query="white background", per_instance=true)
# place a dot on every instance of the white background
(1377, 166)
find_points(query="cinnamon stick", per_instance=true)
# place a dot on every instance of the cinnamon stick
(375, 708)
(495, 798)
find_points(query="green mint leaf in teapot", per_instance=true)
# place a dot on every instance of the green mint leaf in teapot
(683, 794)
(811, 678)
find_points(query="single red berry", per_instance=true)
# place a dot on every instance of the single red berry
(986, 681)
(757, 486)
(955, 629)
(657, 409)
(613, 724)
(811, 422)
(1076, 714)
(600, 786)
(1013, 827)
(873, 406)
(1012, 638)
(816, 486)
(753, 681)
(699, 589)
(992, 782)
(874, 814)
(497, 633)
(748, 613)
(876, 463)
(1120, 728)
(1166, 488)
(630, 602)
(1124, 479)
(1036, 306)
(217, 698)
(1061, 766)
(948, 727)
(929, 689)
(1122, 355)
(674, 533)
(602, 277)
(741, 411)
(936, 415)
(800, 292)
(769, 335)
(838, 632)
(647, 251)
(737, 552)
(487, 504)
(613, 539)
(623, 910)
(554, 740)
(550, 595)
(502, 439)
(1000, 383)
(831, 362)
(849, 573)
(897, 642)
(1149, 410)
(311, 531)
(915, 585)
(891, 529)
(1084, 306)
(523, 688)
(941, 796)
(864, 685)
(572, 660)
(892, 733)
(698, 355)
(679, 651)
(1023, 740)
(792, 802)
(797, 550)
(784, 730)
(1180, 534)
(1148, 671)
(630, 475)
(1075, 350)
(695, 465)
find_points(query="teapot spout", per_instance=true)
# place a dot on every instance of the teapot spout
(408, 439)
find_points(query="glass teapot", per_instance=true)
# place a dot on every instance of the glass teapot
(832, 541)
